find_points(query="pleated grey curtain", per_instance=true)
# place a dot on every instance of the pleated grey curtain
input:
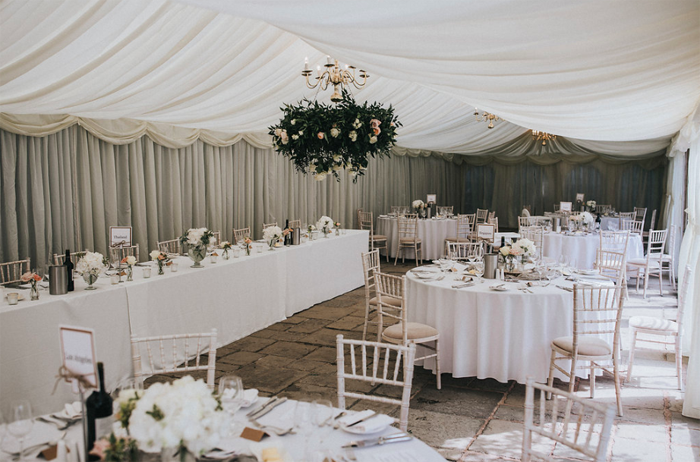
(66, 189)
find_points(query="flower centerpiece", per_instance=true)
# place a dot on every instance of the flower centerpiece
(272, 234)
(129, 261)
(171, 418)
(575, 222)
(521, 248)
(591, 205)
(196, 241)
(418, 207)
(32, 278)
(226, 245)
(161, 258)
(90, 267)
(325, 224)
(311, 230)
(322, 140)
(336, 225)
(248, 244)
(587, 220)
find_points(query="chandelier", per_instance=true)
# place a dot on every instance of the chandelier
(486, 117)
(335, 75)
(543, 136)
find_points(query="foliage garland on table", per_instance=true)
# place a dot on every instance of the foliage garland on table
(323, 139)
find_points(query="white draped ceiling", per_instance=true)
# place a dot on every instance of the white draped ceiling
(616, 78)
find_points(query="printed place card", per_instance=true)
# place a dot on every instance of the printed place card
(432, 199)
(579, 197)
(565, 206)
(120, 236)
(485, 232)
(78, 354)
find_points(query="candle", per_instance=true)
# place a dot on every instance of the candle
(114, 279)
(306, 64)
(328, 59)
(146, 273)
(173, 267)
(318, 70)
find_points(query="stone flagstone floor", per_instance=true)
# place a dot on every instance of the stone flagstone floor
(469, 419)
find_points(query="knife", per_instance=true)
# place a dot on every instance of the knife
(269, 402)
(367, 417)
(399, 437)
(269, 408)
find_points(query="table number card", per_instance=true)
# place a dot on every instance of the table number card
(431, 199)
(120, 236)
(78, 354)
(565, 206)
(579, 197)
(485, 232)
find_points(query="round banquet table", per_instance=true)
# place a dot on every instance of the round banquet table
(431, 232)
(583, 247)
(488, 334)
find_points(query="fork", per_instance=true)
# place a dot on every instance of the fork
(60, 425)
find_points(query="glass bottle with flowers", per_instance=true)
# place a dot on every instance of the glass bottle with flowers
(248, 244)
(336, 225)
(161, 259)
(226, 245)
(129, 261)
(325, 224)
(33, 279)
(272, 235)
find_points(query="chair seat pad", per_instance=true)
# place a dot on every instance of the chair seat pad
(379, 237)
(415, 330)
(663, 257)
(408, 240)
(651, 323)
(587, 346)
(387, 301)
(637, 261)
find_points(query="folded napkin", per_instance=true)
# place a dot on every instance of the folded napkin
(70, 411)
(373, 424)
(228, 448)
(249, 397)
(281, 416)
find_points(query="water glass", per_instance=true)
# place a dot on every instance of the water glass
(147, 273)
(231, 393)
(236, 252)
(173, 266)
(259, 248)
(20, 422)
(12, 298)
(213, 257)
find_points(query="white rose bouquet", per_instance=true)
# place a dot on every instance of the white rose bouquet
(591, 204)
(588, 219)
(524, 247)
(196, 237)
(129, 261)
(181, 414)
(272, 234)
(91, 263)
(325, 224)
(418, 205)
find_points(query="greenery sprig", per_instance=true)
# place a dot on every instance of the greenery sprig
(324, 139)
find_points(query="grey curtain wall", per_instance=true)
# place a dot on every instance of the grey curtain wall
(66, 189)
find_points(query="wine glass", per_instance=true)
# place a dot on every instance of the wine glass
(563, 262)
(231, 393)
(20, 422)
(478, 266)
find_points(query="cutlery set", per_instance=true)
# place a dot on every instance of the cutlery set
(397, 438)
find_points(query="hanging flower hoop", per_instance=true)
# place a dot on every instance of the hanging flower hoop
(324, 139)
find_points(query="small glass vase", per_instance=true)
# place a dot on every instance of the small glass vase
(226, 255)
(272, 244)
(510, 264)
(160, 268)
(337, 231)
(247, 250)
(90, 278)
(34, 291)
(197, 254)
(326, 232)
(129, 273)
(176, 455)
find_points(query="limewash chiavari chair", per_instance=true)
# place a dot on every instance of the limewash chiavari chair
(461, 251)
(536, 235)
(592, 309)
(370, 266)
(390, 288)
(117, 254)
(556, 207)
(293, 224)
(464, 230)
(633, 226)
(569, 420)
(267, 225)
(652, 225)
(171, 247)
(174, 354)
(650, 265)
(615, 241)
(11, 272)
(640, 213)
(388, 365)
(627, 216)
(358, 217)
(603, 209)
(490, 216)
(481, 215)
(612, 264)
(376, 241)
(216, 238)
(494, 221)
(239, 235)
(668, 258)
(661, 327)
(60, 259)
(396, 209)
(408, 238)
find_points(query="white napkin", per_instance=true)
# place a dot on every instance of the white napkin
(227, 448)
(249, 397)
(397, 456)
(281, 416)
(371, 425)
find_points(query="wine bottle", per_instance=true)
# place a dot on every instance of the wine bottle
(287, 240)
(503, 241)
(69, 270)
(98, 407)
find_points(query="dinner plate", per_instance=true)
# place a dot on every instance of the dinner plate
(359, 430)
(586, 272)
(499, 288)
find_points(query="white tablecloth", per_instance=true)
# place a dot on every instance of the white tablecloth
(238, 297)
(489, 334)
(583, 248)
(431, 232)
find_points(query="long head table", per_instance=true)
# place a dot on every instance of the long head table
(237, 296)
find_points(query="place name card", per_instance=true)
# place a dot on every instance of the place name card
(120, 236)
(485, 232)
(579, 197)
(431, 199)
(78, 354)
(565, 206)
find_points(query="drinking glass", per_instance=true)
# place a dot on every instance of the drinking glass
(231, 393)
(20, 422)
(563, 262)
(12, 298)
(173, 266)
(146, 273)
(478, 266)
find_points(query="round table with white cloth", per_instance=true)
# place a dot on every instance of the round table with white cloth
(489, 334)
(583, 248)
(432, 233)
